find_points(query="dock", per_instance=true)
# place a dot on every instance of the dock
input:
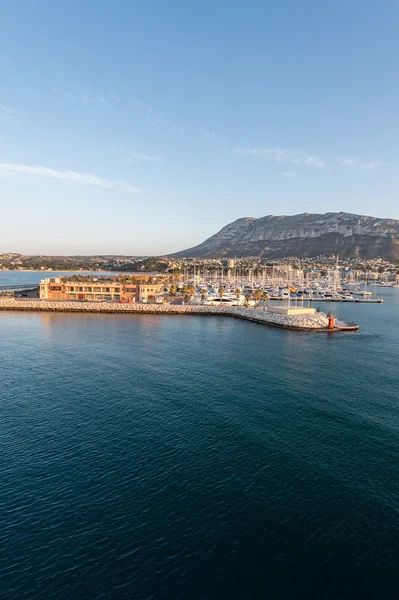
(296, 319)
(295, 301)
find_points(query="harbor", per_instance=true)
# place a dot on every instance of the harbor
(278, 296)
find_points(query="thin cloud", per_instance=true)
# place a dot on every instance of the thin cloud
(95, 152)
(288, 174)
(115, 98)
(87, 99)
(283, 155)
(355, 163)
(65, 175)
(131, 157)
(157, 118)
(6, 114)
(127, 156)
(5, 109)
(5, 59)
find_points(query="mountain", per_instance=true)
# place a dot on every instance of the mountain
(303, 235)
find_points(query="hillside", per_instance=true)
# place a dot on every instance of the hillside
(303, 235)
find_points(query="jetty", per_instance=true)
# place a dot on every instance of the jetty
(296, 300)
(294, 318)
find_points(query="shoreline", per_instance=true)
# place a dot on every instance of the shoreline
(76, 271)
(314, 323)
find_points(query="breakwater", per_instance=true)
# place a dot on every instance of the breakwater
(315, 322)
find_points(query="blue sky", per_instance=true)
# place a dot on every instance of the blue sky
(133, 127)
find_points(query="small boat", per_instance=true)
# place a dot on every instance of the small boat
(362, 293)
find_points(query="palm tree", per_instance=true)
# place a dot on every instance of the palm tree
(221, 294)
(203, 295)
(247, 299)
(190, 291)
(265, 298)
(237, 293)
(257, 295)
(172, 290)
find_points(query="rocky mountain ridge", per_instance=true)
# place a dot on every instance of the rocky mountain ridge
(303, 235)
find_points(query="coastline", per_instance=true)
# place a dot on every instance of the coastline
(318, 323)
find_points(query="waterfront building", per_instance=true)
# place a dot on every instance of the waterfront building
(55, 288)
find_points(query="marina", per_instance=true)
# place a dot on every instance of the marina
(199, 301)
(259, 285)
(285, 299)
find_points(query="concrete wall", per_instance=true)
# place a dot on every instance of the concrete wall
(291, 310)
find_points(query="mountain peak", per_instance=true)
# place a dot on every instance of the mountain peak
(303, 235)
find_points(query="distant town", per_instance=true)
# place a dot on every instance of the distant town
(164, 265)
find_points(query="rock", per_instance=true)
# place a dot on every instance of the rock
(303, 235)
(304, 322)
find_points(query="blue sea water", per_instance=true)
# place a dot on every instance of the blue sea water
(10, 278)
(159, 457)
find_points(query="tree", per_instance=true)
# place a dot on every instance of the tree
(172, 290)
(265, 298)
(221, 294)
(188, 292)
(203, 295)
(237, 293)
(247, 299)
(257, 295)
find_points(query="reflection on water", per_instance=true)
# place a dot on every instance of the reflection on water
(194, 457)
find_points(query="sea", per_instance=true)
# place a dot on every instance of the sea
(170, 457)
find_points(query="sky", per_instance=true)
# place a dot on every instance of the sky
(143, 127)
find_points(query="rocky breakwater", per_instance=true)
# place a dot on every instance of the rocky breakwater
(316, 322)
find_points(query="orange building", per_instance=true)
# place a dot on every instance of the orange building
(54, 288)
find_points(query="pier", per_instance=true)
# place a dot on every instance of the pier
(285, 317)
(296, 300)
